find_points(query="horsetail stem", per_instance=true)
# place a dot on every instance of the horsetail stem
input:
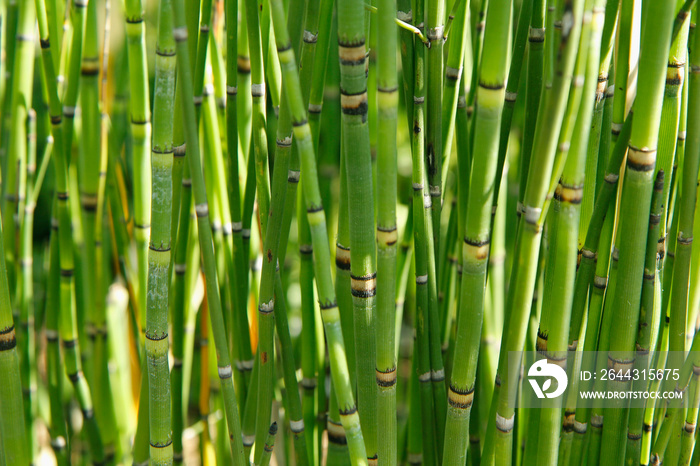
(326, 295)
(592, 274)
(202, 209)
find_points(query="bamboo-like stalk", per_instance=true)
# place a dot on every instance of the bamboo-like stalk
(453, 75)
(387, 234)
(239, 273)
(553, 334)
(358, 167)
(266, 298)
(57, 427)
(475, 250)
(10, 17)
(105, 397)
(648, 319)
(523, 39)
(594, 272)
(257, 89)
(594, 164)
(678, 305)
(622, 66)
(67, 326)
(534, 84)
(12, 415)
(421, 206)
(553, 102)
(157, 345)
(180, 236)
(316, 216)
(88, 171)
(140, 115)
(668, 149)
(634, 208)
(201, 208)
(435, 28)
(269, 445)
(15, 162)
(24, 300)
(315, 51)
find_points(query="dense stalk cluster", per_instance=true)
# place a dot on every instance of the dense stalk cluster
(510, 187)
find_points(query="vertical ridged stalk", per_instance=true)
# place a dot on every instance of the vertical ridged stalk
(435, 29)
(358, 167)
(24, 300)
(267, 307)
(564, 221)
(477, 229)
(534, 85)
(317, 223)
(258, 116)
(244, 363)
(648, 321)
(57, 426)
(67, 325)
(593, 162)
(421, 205)
(140, 115)
(670, 116)
(157, 347)
(553, 105)
(12, 415)
(387, 235)
(15, 160)
(635, 205)
(453, 75)
(269, 445)
(521, 40)
(205, 235)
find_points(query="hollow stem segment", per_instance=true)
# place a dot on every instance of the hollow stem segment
(553, 104)
(140, 115)
(387, 235)
(157, 347)
(477, 230)
(635, 205)
(435, 30)
(317, 223)
(205, 234)
(358, 168)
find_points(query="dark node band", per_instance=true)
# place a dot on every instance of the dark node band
(161, 445)
(156, 337)
(342, 264)
(386, 379)
(161, 248)
(337, 439)
(89, 71)
(358, 110)
(491, 86)
(314, 208)
(349, 411)
(477, 243)
(165, 53)
(327, 305)
(284, 47)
